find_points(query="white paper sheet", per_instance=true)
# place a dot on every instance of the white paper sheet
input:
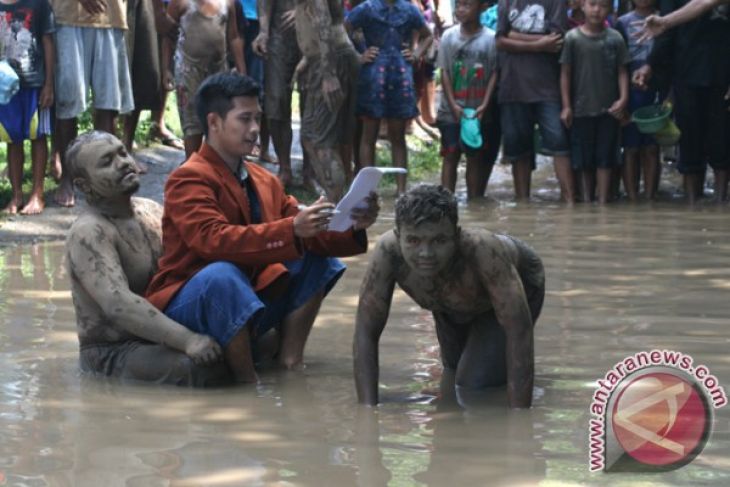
(366, 181)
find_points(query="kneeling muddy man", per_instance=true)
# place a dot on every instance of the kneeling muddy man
(485, 292)
(112, 253)
(240, 258)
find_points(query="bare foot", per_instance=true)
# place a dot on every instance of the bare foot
(285, 176)
(35, 205)
(15, 204)
(56, 170)
(64, 194)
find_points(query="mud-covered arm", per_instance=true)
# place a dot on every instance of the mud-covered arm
(376, 294)
(322, 25)
(507, 295)
(94, 262)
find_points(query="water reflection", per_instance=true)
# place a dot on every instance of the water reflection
(620, 280)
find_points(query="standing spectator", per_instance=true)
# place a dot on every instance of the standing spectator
(594, 84)
(207, 29)
(641, 152)
(248, 27)
(92, 54)
(148, 21)
(277, 43)
(530, 36)
(26, 43)
(467, 59)
(695, 58)
(385, 88)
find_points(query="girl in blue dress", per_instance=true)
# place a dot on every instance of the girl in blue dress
(385, 87)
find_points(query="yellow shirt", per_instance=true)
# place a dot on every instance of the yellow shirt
(71, 12)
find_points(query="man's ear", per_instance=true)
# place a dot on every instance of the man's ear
(214, 122)
(82, 184)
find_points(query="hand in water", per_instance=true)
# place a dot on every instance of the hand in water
(203, 350)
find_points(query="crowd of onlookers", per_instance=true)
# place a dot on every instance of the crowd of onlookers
(520, 77)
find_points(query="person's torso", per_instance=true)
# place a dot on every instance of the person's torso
(470, 61)
(529, 77)
(22, 26)
(71, 12)
(638, 51)
(308, 30)
(594, 69)
(138, 244)
(388, 27)
(203, 31)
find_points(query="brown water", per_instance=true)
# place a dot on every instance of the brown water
(620, 280)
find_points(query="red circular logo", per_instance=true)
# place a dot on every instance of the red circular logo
(661, 419)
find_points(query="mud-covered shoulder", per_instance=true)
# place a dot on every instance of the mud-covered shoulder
(490, 251)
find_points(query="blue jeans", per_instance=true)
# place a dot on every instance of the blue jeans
(518, 129)
(220, 300)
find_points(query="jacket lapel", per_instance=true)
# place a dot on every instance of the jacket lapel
(231, 185)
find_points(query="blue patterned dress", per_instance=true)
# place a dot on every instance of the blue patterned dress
(385, 87)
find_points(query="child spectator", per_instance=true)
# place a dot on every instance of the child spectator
(529, 38)
(594, 85)
(467, 58)
(26, 43)
(641, 152)
(385, 86)
(695, 58)
(207, 28)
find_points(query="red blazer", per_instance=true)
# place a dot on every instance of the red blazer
(207, 219)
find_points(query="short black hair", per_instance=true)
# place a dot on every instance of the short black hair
(217, 91)
(426, 203)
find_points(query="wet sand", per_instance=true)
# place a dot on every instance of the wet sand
(619, 280)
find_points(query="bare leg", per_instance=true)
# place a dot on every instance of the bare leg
(603, 177)
(370, 129)
(397, 137)
(130, 128)
(631, 173)
(565, 176)
(448, 170)
(651, 167)
(39, 157)
(521, 174)
(15, 174)
(295, 330)
(192, 144)
(474, 175)
(427, 102)
(693, 187)
(66, 131)
(721, 180)
(56, 169)
(281, 136)
(239, 358)
(483, 362)
(587, 184)
(105, 120)
(356, 144)
(328, 169)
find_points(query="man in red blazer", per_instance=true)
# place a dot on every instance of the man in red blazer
(239, 258)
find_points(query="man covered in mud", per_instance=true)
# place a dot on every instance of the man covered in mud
(241, 260)
(329, 74)
(485, 292)
(112, 251)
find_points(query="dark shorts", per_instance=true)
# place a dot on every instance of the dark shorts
(594, 143)
(220, 300)
(143, 47)
(254, 63)
(320, 126)
(518, 129)
(451, 140)
(485, 332)
(702, 117)
(631, 138)
(281, 62)
(139, 361)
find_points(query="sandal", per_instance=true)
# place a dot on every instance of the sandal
(169, 139)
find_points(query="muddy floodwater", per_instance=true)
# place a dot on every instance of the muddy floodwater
(619, 280)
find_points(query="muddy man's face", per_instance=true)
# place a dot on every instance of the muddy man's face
(429, 247)
(110, 170)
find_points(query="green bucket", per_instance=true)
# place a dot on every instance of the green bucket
(651, 119)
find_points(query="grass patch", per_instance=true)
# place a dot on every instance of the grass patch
(424, 160)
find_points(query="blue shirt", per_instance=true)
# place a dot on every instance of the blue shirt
(385, 26)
